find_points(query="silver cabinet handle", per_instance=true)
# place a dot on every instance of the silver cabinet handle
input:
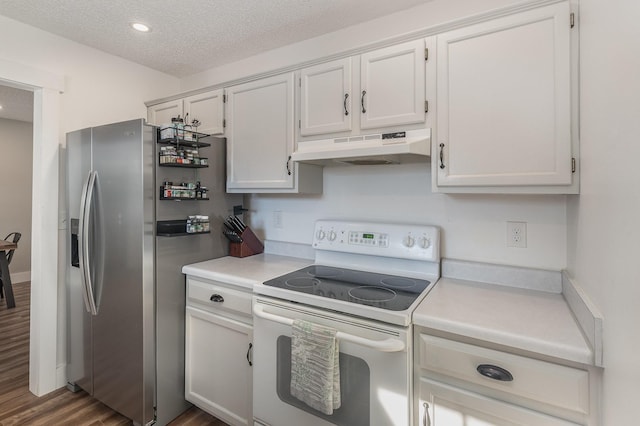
(364, 93)
(288, 166)
(442, 156)
(346, 111)
(426, 418)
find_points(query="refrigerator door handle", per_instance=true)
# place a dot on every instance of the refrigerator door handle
(85, 267)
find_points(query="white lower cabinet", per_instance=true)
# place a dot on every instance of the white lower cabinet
(445, 405)
(462, 384)
(218, 351)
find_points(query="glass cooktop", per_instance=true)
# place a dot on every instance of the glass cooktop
(367, 288)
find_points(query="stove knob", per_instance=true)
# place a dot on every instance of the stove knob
(332, 236)
(409, 241)
(320, 235)
(425, 242)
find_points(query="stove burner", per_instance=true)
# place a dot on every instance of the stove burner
(301, 282)
(324, 271)
(372, 294)
(398, 282)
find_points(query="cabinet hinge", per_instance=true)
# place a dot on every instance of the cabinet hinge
(573, 164)
(426, 54)
(572, 19)
(224, 122)
(224, 99)
(426, 106)
(299, 124)
(300, 82)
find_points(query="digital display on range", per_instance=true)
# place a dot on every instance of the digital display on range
(368, 236)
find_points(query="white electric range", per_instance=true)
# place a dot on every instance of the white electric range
(366, 282)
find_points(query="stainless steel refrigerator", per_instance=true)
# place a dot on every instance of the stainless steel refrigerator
(126, 292)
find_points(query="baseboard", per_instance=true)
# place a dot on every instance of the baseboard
(587, 315)
(20, 277)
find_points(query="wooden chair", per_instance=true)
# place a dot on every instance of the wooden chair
(14, 237)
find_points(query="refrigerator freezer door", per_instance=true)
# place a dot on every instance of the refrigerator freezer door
(123, 329)
(79, 352)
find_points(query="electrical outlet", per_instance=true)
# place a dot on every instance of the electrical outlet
(517, 234)
(277, 219)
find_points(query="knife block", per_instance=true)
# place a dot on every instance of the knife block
(249, 246)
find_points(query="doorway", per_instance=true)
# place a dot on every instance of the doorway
(44, 374)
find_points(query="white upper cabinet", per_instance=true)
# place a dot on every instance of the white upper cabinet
(504, 105)
(384, 88)
(392, 85)
(208, 109)
(260, 139)
(325, 92)
(163, 113)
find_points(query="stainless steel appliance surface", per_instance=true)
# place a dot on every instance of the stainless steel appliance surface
(366, 282)
(125, 289)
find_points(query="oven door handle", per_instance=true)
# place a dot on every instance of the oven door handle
(387, 345)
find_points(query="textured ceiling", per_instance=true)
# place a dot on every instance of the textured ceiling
(190, 36)
(187, 36)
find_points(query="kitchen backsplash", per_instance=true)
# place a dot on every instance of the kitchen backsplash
(473, 226)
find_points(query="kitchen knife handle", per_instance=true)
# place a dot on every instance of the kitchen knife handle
(364, 93)
(288, 166)
(442, 156)
(346, 111)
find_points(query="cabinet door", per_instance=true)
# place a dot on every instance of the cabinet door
(444, 405)
(503, 99)
(218, 376)
(208, 108)
(325, 99)
(260, 134)
(392, 85)
(163, 113)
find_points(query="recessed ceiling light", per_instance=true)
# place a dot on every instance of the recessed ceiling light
(138, 26)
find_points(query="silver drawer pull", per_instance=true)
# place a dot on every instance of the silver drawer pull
(494, 372)
(426, 419)
(217, 298)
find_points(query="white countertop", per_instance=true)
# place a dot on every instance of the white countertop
(246, 271)
(526, 319)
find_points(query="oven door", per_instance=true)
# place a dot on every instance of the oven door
(374, 369)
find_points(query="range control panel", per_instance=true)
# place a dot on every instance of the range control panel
(405, 241)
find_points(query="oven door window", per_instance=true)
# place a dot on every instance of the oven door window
(354, 387)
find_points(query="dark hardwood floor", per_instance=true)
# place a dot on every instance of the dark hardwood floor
(18, 406)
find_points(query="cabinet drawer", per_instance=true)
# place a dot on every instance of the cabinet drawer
(214, 297)
(541, 381)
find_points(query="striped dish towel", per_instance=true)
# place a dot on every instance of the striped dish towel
(315, 366)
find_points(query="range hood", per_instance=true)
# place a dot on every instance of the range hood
(381, 148)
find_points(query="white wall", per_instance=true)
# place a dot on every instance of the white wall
(16, 146)
(604, 257)
(100, 88)
(473, 226)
